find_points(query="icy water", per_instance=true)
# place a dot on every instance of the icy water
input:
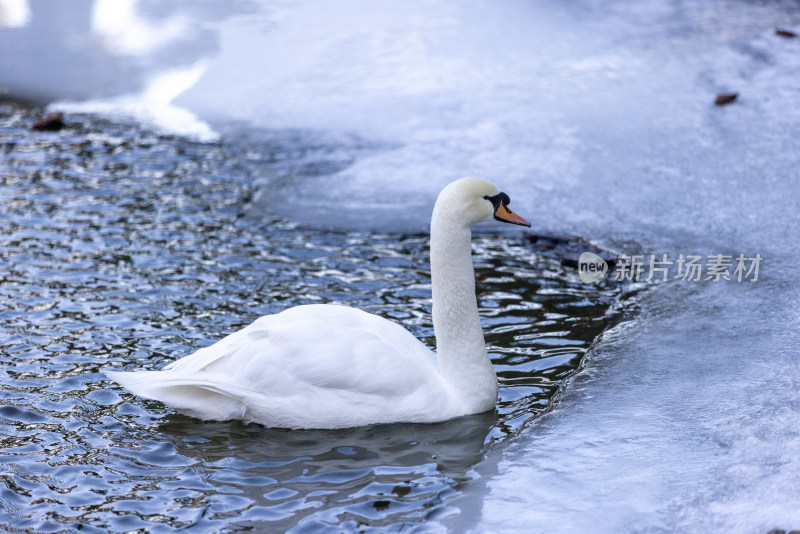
(126, 249)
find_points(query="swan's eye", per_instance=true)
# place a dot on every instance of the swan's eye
(500, 199)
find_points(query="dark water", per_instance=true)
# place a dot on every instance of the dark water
(122, 248)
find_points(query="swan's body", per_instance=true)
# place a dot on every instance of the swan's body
(328, 366)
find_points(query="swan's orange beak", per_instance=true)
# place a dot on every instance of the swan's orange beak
(504, 214)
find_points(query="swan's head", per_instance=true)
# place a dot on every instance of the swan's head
(472, 200)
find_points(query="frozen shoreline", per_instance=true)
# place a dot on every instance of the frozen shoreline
(667, 429)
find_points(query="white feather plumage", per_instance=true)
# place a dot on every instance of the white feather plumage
(329, 366)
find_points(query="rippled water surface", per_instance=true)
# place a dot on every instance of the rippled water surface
(125, 249)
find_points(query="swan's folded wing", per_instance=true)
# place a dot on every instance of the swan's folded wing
(336, 347)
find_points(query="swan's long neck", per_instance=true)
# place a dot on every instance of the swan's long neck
(460, 347)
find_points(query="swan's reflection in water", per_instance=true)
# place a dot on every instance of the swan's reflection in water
(349, 478)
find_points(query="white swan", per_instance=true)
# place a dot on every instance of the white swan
(328, 366)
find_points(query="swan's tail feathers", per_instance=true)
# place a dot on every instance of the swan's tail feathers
(189, 396)
(142, 383)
